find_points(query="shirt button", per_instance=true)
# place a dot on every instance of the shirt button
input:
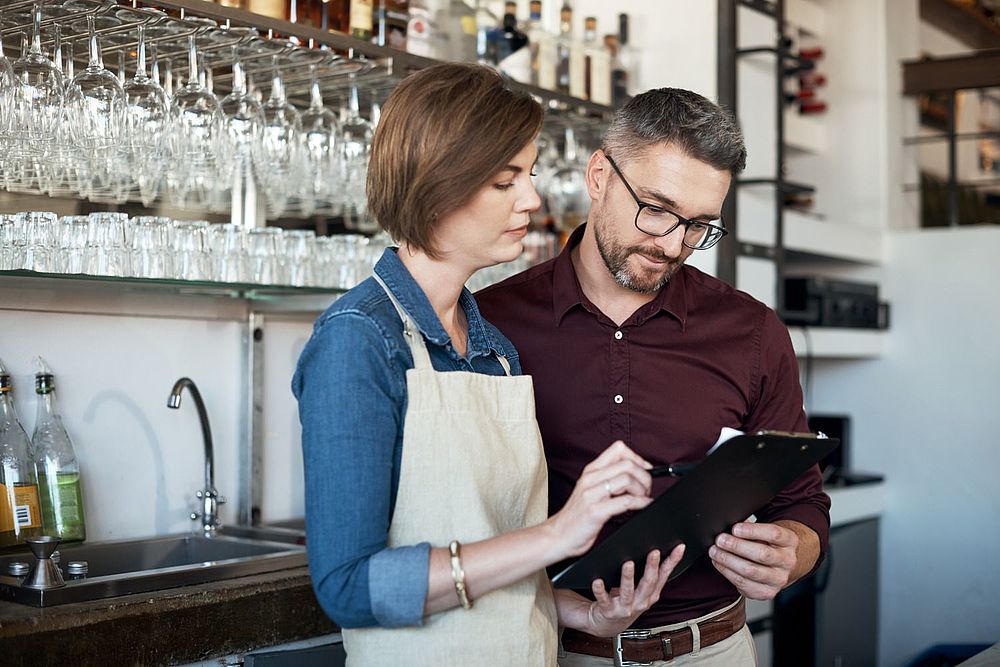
(618, 398)
(618, 335)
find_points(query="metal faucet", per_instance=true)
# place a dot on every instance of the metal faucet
(209, 497)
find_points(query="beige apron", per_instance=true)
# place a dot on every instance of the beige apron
(472, 468)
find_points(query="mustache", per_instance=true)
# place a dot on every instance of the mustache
(645, 252)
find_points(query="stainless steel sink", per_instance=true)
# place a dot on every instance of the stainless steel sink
(292, 531)
(139, 566)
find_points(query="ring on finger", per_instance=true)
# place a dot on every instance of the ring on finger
(607, 487)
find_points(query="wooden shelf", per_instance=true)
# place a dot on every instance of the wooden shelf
(811, 236)
(834, 343)
(963, 21)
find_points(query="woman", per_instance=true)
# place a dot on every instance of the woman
(426, 483)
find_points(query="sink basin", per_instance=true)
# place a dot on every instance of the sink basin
(138, 566)
(292, 531)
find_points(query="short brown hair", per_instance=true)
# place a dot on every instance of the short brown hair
(444, 132)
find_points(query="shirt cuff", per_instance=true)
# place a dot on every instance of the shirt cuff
(397, 585)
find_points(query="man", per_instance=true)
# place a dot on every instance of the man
(626, 342)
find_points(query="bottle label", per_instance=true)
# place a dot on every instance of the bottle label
(19, 508)
(361, 15)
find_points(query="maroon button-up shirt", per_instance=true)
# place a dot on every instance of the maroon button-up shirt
(700, 356)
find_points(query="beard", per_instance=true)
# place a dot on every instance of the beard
(638, 278)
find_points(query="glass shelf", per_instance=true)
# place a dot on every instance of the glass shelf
(259, 298)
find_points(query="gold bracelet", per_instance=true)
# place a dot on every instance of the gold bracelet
(458, 574)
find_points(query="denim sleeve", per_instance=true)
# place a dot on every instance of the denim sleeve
(351, 409)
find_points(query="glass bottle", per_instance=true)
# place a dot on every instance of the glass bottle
(597, 65)
(55, 461)
(391, 19)
(20, 512)
(511, 59)
(461, 31)
(564, 48)
(625, 70)
(361, 19)
(277, 9)
(542, 47)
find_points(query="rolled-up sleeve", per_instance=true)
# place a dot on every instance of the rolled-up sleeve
(350, 385)
(778, 406)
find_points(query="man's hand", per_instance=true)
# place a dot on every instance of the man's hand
(760, 559)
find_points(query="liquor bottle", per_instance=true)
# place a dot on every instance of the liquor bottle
(487, 33)
(312, 13)
(460, 32)
(20, 510)
(55, 461)
(361, 19)
(542, 48)
(276, 9)
(597, 65)
(628, 65)
(564, 48)
(513, 58)
(391, 19)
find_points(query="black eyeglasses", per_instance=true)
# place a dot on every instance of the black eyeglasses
(658, 221)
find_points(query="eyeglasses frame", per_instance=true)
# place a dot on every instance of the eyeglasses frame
(680, 220)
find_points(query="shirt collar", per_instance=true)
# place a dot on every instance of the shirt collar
(567, 293)
(411, 296)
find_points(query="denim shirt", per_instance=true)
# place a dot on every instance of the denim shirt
(350, 383)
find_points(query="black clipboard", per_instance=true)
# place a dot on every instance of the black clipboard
(733, 482)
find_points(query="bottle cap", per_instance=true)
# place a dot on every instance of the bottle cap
(623, 29)
(43, 377)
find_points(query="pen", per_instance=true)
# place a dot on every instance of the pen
(672, 469)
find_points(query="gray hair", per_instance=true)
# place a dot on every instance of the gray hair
(703, 129)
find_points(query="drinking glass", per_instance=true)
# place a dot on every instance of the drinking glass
(262, 247)
(190, 256)
(35, 240)
(36, 106)
(320, 159)
(357, 133)
(151, 251)
(279, 150)
(106, 253)
(147, 117)
(97, 121)
(229, 258)
(197, 141)
(244, 123)
(300, 252)
(567, 199)
(73, 234)
(7, 84)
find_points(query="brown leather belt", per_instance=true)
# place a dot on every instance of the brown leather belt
(640, 646)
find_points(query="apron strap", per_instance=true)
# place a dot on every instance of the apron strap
(421, 357)
(503, 362)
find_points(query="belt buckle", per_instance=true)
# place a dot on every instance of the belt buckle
(619, 658)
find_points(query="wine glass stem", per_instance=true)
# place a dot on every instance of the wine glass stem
(316, 97)
(95, 51)
(36, 29)
(140, 67)
(355, 104)
(192, 62)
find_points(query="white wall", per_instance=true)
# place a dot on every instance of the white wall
(142, 462)
(925, 414)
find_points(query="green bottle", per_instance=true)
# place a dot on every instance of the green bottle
(55, 461)
(20, 513)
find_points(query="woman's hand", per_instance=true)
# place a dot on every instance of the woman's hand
(612, 613)
(616, 481)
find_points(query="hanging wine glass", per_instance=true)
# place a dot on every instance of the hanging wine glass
(36, 106)
(97, 120)
(197, 141)
(59, 172)
(277, 167)
(147, 117)
(357, 133)
(321, 142)
(244, 121)
(7, 84)
(568, 199)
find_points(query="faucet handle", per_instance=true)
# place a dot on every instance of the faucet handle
(221, 500)
(195, 516)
